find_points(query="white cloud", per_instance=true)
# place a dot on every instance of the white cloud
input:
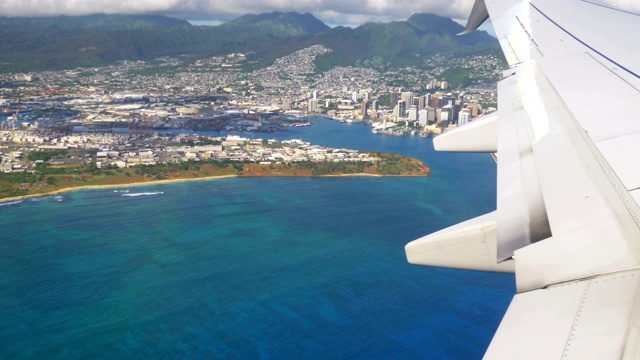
(349, 12)
(330, 11)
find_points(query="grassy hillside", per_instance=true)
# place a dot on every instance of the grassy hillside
(33, 44)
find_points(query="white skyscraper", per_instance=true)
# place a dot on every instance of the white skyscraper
(407, 97)
(313, 106)
(423, 117)
(413, 113)
(463, 116)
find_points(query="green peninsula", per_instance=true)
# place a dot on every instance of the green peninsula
(45, 170)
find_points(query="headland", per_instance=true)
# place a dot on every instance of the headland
(41, 171)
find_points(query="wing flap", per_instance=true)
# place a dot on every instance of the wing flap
(590, 223)
(469, 245)
(622, 154)
(590, 319)
(480, 135)
(522, 217)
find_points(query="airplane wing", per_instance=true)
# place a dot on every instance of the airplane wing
(567, 138)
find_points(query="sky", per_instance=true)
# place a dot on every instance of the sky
(331, 12)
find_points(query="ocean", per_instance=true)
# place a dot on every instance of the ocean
(252, 268)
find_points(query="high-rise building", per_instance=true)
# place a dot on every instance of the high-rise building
(464, 116)
(474, 109)
(394, 96)
(444, 84)
(447, 113)
(313, 106)
(421, 102)
(399, 110)
(413, 113)
(431, 114)
(402, 109)
(444, 115)
(407, 97)
(448, 100)
(364, 107)
(374, 105)
(436, 100)
(423, 117)
(286, 104)
(354, 96)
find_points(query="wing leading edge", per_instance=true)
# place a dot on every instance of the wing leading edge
(567, 219)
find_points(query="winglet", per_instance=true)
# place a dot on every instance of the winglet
(478, 16)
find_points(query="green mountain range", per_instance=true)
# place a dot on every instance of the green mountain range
(97, 21)
(32, 44)
(277, 24)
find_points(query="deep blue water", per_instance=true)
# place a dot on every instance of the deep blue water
(267, 268)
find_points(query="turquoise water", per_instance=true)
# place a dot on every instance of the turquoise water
(267, 268)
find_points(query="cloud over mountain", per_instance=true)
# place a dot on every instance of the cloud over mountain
(334, 12)
(329, 11)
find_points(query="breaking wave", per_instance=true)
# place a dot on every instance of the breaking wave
(144, 194)
(11, 203)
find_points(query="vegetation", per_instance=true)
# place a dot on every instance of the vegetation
(202, 140)
(397, 164)
(332, 168)
(45, 155)
(32, 44)
(19, 177)
(457, 77)
(46, 178)
(400, 43)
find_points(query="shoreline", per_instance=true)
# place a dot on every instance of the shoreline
(169, 181)
(109, 186)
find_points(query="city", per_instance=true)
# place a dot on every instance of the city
(215, 95)
(114, 115)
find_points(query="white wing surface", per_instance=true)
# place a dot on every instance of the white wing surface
(567, 134)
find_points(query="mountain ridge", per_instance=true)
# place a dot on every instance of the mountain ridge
(96, 21)
(33, 44)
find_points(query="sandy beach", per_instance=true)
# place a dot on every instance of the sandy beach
(156, 182)
(59, 191)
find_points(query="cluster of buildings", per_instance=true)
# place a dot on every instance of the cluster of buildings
(123, 150)
(433, 108)
(214, 93)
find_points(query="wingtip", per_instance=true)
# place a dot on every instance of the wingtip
(479, 15)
